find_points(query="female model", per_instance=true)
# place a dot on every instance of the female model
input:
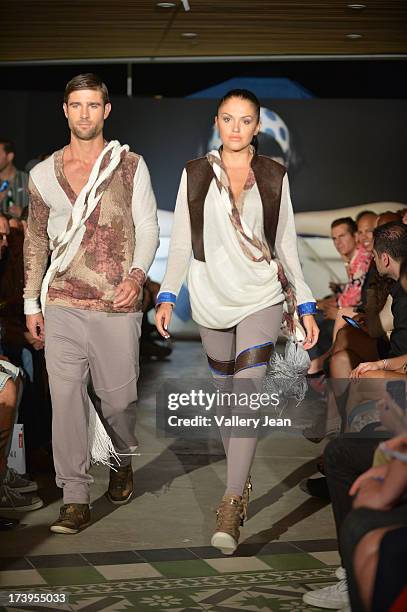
(234, 216)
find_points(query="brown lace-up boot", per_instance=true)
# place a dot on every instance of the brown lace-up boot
(120, 488)
(72, 518)
(230, 516)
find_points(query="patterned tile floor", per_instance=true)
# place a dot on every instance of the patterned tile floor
(178, 483)
(176, 580)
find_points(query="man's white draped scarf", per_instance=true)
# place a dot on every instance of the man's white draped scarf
(64, 250)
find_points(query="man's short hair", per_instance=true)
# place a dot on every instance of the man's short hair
(391, 238)
(8, 145)
(86, 81)
(362, 214)
(352, 227)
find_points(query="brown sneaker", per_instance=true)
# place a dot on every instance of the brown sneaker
(229, 517)
(120, 488)
(72, 518)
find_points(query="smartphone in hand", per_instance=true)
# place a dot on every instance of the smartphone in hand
(352, 322)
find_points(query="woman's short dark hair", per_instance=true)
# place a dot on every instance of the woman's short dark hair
(86, 81)
(243, 94)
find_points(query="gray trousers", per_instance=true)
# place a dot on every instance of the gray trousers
(79, 345)
(242, 352)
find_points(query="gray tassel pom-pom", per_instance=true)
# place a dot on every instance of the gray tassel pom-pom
(287, 373)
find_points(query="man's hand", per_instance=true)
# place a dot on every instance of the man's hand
(377, 472)
(370, 496)
(35, 325)
(312, 331)
(126, 293)
(34, 342)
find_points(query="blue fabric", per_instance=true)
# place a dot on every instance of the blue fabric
(255, 365)
(254, 347)
(307, 308)
(183, 306)
(166, 296)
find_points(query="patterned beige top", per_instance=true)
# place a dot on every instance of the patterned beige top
(121, 235)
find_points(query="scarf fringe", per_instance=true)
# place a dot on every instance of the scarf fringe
(102, 448)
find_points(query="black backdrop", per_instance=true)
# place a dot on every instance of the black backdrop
(351, 151)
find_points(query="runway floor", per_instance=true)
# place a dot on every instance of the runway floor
(154, 553)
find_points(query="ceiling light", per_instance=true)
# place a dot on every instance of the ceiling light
(166, 4)
(189, 34)
(354, 36)
(186, 5)
(357, 7)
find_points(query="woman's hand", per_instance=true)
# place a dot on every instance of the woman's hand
(367, 366)
(312, 331)
(162, 318)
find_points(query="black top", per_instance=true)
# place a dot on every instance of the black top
(398, 338)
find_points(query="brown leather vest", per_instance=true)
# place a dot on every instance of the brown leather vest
(269, 177)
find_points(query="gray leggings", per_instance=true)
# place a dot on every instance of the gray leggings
(241, 352)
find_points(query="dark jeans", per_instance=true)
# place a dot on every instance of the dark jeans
(345, 459)
(357, 524)
(391, 575)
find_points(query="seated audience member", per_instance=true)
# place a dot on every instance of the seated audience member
(390, 249)
(15, 198)
(357, 260)
(343, 234)
(355, 353)
(376, 319)
(374, 534)
(366, 222)
(345, 459)
(15, 491)
(15, 337)
(21, 348)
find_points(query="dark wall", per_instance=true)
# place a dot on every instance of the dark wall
(350, 151)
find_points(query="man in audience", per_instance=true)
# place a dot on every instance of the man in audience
(378, 521)
(349, 240)
(390, 248)
(343, 234)
(15, 197)
(345, 459)
(15, 491)
(12, 485)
